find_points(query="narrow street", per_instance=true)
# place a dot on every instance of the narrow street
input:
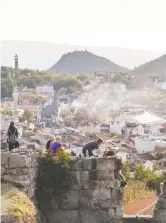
(139, 207)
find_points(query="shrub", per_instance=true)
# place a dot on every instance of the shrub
(136, 190)
(112, 134)
(28, 134)
(150, 177)
(126, 171)
(52, 180)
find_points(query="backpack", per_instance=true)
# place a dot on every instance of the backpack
(13, 138)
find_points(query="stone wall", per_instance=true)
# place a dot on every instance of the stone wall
(95, 194)
(160, 209)
(20, 166)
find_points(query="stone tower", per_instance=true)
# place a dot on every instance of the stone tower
(15, 90)
(16, 62)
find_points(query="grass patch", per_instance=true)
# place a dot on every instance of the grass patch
(18, 207)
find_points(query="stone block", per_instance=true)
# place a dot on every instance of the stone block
(3, 170)
(116, 183)
(76, 164)
(7, 178)
(117, 194)
(78, 175)
(15, 160)
(84, 175)
(85, 198)
(93, 175)
(14, 171)
(105, 164)
(111, 212)
(119, 212)
(31, 192)
(32, 173)
(71, 175)
(20, 178)
(60, 216)
(106, 183)
(89, 185)
(94, 204)
(105, 175)
(161, 203)
(76, 185)
(101, 193)
(22, 171)
(4, 159)
(31, 146)
(71, 202)
(109, 203)
(86, 164)
(94, 217)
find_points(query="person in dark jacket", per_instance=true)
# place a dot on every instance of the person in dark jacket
(12, 137)
(91, 146)
(52, 138)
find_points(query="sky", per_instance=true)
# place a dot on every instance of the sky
(133, 24)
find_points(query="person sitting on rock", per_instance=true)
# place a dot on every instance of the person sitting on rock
(91, 146)
(56, 145)
(52, 138)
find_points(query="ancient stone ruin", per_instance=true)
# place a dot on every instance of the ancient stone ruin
(95, 195)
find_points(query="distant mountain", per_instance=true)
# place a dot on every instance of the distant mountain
(155, 67)
(84, 62)
(42, 55)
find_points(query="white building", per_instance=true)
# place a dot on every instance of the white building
(144, 145)
(46, 90)
(22, 91)
(91, 128)
(148, 144)
(160, 85)
(148, 165)
(117, 126)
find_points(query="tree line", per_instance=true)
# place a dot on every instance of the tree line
(31, 78)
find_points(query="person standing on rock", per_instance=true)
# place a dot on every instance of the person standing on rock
(12, 137)
(91, 146)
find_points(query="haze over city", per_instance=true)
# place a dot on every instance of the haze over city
(83, 111)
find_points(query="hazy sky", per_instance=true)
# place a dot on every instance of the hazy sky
(135, 24)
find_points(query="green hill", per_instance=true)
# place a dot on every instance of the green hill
(155, 67)
(84, 62)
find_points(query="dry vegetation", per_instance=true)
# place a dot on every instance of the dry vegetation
(136, 190)
(16, 206)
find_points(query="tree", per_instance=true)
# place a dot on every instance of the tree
(82, 77)
(61, 91)
(4, 91)
(81, 115)
(126, 170)
(155, 167)
(150, 177)
(140, 172)
(27, 116)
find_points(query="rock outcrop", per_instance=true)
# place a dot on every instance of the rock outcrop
(20, 167)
